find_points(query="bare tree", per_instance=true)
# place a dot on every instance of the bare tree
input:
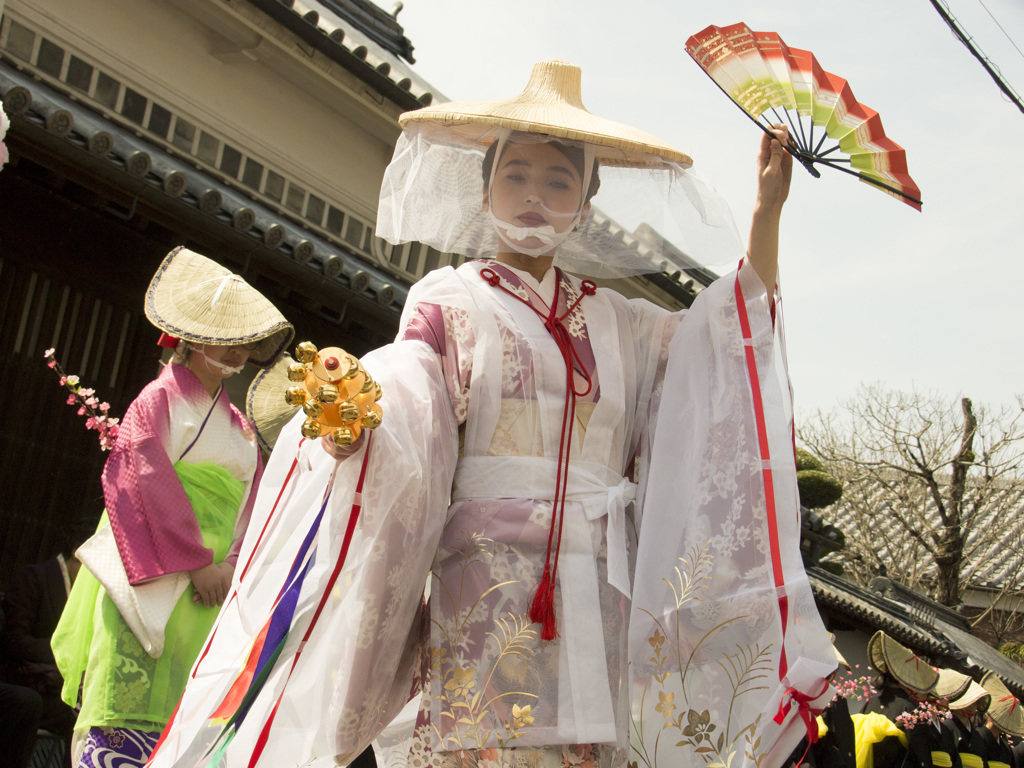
(933, 492)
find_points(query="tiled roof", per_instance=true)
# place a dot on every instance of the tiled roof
(34, 106)
(320, 25)
(377, 24)
(991, 559)
(915, 622)
(873, 609)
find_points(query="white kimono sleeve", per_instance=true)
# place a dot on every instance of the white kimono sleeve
(724, 634)
(349, 661)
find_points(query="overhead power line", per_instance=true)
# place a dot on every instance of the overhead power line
(964, 38)
(1007, 34)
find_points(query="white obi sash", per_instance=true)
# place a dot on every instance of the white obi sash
(599, 490)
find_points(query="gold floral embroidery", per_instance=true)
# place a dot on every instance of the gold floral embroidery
(704, 740)
(471, 709)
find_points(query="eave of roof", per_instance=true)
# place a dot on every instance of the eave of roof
(87, 139)
(942, 639)
(384, 72)
(873, 609)
(380, 26)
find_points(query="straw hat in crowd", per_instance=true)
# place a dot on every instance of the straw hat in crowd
(890, 657)
(1004, 709)
(975, 696)
(951, 684)
(265, 403)
(195, 299)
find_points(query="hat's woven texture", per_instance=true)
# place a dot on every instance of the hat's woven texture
(552, 104)
(887, 655)
(196, 299)
(1004, 710)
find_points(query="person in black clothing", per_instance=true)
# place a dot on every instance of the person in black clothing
(964, 724)
(33, 604)
(1005, 715)
(906, 681)
(943, 736)
(20, 710)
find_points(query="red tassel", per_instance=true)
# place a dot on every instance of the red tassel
(167, 341)
(542, 609)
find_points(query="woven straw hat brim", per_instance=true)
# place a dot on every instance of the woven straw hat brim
(196, 299)
(887, 655)
(1004, 709)
(951, 684)
(552, 105)
(265, 404)
(974, 694)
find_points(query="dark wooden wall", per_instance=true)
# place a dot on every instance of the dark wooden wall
(73, 273)
(72, 279)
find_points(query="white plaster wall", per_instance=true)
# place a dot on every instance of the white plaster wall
(329, 133)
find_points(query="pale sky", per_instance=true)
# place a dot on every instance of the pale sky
(873, 290)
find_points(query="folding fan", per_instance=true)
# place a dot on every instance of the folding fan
(774, 83)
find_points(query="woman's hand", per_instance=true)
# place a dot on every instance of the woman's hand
(211, 583)
(774, 170)
(774, 173)
(339, 452)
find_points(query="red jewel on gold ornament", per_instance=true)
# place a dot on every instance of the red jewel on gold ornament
(331, 363)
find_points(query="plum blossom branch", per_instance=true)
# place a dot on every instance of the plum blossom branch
(850, 687)
(925, 712)
(88, 404)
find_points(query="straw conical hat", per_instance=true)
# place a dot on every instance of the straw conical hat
(887, 655)
(951, 684)
(196, 299)
(975, 694)
(265, 404)
(551, 104)
(1004, 709)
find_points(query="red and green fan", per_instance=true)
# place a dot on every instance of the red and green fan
(774, 83)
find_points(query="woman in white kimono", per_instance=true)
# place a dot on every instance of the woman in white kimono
(549, 451)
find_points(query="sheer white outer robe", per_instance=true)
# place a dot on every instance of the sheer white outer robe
(703, 630)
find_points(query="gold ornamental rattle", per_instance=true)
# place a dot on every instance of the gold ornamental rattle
(337, 394)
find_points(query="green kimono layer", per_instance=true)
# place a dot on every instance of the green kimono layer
(124, 686)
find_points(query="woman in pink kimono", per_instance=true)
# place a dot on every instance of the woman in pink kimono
(179, 487)
(601, 493)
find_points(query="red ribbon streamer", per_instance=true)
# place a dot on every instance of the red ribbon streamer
(804, 709)
(766, 472)
(261, 741)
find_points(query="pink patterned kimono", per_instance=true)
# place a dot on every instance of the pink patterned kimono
(155, 529)
(173, 433)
